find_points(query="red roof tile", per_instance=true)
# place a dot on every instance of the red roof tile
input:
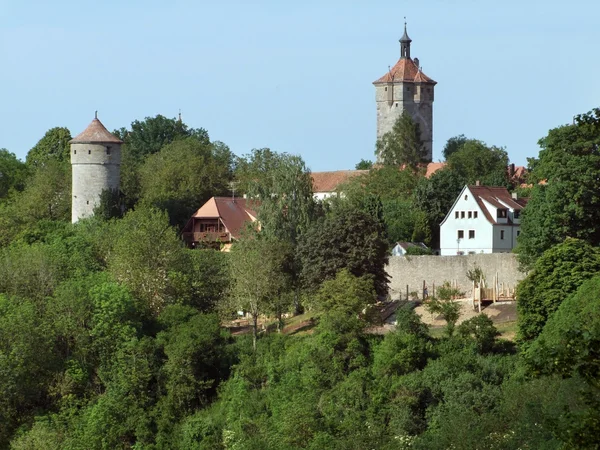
(498, 197)
(95, 133)
(234, 213)
(405, 70)
(329, 181)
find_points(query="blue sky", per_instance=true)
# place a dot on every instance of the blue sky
(295, 77)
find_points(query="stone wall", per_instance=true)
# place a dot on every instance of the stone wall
(413, 270)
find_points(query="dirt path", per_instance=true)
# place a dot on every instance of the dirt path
(499, 312)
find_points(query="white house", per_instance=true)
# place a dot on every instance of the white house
(482, 220)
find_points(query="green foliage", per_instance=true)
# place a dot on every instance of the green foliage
(13, 173)
(453, 145)
(345, 300)
(417, 250)
(434, 196)
(567, 205)
(27, 363)
(146, 138)
(282, 187)
(146, 256)
(445, 305)
(258, 277)
(481, 331)
(475, 274)
(109, 206)
(556, 274)
(54, 146)
(402, 145)
(346, 238)
(364, 164)
(569, 342)
(475, 161)
(183, 175)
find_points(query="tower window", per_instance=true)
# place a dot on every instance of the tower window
(87, 202)
(74, 152)
(108, 150)
(396, 105)
(89, 152)
(386, 89)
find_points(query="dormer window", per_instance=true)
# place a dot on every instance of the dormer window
(517, 214)
(501, 213)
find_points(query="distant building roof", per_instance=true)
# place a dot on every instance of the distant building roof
(95, 133)
(433, 167)
(233, 212)
(405, 70)
(329, 181)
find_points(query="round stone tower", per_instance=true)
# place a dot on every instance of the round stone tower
(96, 166)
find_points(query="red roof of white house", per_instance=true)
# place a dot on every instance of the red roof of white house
(95, 133)
(498, 197)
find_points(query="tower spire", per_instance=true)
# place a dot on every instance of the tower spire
(405, 43)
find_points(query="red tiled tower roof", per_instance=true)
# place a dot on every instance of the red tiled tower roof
(95, 133)
(405, 70)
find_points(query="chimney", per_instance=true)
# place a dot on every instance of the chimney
(477, 183)
(514, 196)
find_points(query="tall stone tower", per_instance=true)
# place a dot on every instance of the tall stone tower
(96, 166)
(406, 88)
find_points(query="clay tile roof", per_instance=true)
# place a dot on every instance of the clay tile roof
(95, 133)
(407, 71)
(433, 167)
(234, 213)
(499, 197)
(329, 181)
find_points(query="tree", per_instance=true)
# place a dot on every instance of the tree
(402, 145)
(556, 274)
(364, 164)
(146, 138)
(183, 175)
(569, 342)
(434, 196)
(258, 277)
(475, 161)
(13, 173)
(281, 186)
(567, 204)
(346, 238)
(443, 303)
(54, 146)
(147, 256)
(453, 145)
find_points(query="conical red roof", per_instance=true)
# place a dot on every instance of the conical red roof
(95, 133)
(405, 70)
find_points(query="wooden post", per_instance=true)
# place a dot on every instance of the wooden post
(407, 292)
(423, 291)
(473, 294)
(433, 289)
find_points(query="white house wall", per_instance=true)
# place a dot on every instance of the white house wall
(483, 240)
(510, 238)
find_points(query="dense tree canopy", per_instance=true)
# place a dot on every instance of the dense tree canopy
(566, 205)
(183, 175)
(13, 173)
(475, 161)
(453, 145)
(556, 274)
(54, 146)
(346, 238)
